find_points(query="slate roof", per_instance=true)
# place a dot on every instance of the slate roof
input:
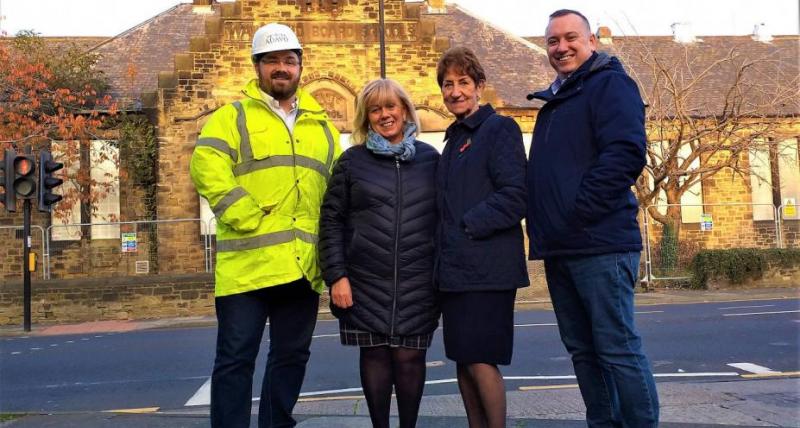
(133, 59)
(514, 66)
(770, 86)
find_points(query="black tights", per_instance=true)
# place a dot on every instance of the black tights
(382, 367)
(484, 395)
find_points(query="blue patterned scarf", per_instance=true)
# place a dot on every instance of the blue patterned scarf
(405, 150)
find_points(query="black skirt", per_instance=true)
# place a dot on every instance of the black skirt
(478, 326)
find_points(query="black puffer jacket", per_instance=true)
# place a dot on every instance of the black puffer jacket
(377, 226)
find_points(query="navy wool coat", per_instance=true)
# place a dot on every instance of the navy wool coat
(481, 202)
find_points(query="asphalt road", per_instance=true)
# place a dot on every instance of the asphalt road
(169, 368)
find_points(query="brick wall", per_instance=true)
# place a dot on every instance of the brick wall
(121, 298)
(172, 296)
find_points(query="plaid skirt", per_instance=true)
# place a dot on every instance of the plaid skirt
(352, 336)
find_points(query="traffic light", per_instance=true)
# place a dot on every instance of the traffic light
(24, 179)
(47, 166)
(8, 198)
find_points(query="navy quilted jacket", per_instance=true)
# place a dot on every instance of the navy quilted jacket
(377, 226)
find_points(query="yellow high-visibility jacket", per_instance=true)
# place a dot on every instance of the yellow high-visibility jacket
(265, 187)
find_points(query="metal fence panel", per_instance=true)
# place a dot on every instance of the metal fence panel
(789, 215)
(126, 248)
(722, 225)
(11, 263)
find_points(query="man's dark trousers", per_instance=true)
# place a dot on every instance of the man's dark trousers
(592, 297)
(292, 313)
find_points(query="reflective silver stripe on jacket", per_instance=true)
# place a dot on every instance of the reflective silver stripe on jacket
(306, 237)
(229, 199)
(266, 240)
(244, 135)
(329, 135)
(281, 160)
(249, 164)
(218, 144)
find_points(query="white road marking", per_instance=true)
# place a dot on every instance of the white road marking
(16, 353)
(752, 368)
(760, 313)
(36, 349)
(202, 396)
(698, 374)
(330, 391)
(745, 307)
(547, 324)
(437, 363)
(648, 312)
(324, 335)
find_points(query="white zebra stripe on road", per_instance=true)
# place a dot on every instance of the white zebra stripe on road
(752, 368)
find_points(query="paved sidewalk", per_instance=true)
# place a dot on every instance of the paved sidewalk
(740, 403)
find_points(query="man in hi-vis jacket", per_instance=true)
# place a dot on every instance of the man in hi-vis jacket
(263, 163)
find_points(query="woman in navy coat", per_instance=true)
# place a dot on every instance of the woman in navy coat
(480, 256)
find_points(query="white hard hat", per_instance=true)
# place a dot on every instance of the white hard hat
(275, 37)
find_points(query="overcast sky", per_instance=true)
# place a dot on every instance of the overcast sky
(522, 17)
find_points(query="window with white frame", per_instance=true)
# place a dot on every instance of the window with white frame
(104, 161)
(763, 190)
(761, 183)
(104, 175)
(692, 198)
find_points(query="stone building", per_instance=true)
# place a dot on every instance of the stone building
(179, 66)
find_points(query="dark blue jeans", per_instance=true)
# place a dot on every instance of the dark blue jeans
(292, 312)
(593, 301)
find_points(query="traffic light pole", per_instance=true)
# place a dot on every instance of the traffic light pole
(26, 271)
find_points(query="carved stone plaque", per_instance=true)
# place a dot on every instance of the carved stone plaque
(333, 103)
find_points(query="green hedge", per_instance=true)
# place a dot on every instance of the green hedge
(739, 264)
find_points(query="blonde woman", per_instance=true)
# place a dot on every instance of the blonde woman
(378, 217)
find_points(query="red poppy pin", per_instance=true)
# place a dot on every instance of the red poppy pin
(465, 146)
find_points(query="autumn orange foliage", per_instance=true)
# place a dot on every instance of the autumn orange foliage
(33, 110)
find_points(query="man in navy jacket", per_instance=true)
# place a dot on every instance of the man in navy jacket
(588, 149)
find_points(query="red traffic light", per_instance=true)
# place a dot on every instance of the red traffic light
(24, 181)
(23, 166)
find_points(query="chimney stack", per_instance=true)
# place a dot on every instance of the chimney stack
(604, 35)
(682, 33)
(761, 33)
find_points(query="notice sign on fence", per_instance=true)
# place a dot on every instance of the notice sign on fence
(706, 222)
(789, 208)
(129, 242)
